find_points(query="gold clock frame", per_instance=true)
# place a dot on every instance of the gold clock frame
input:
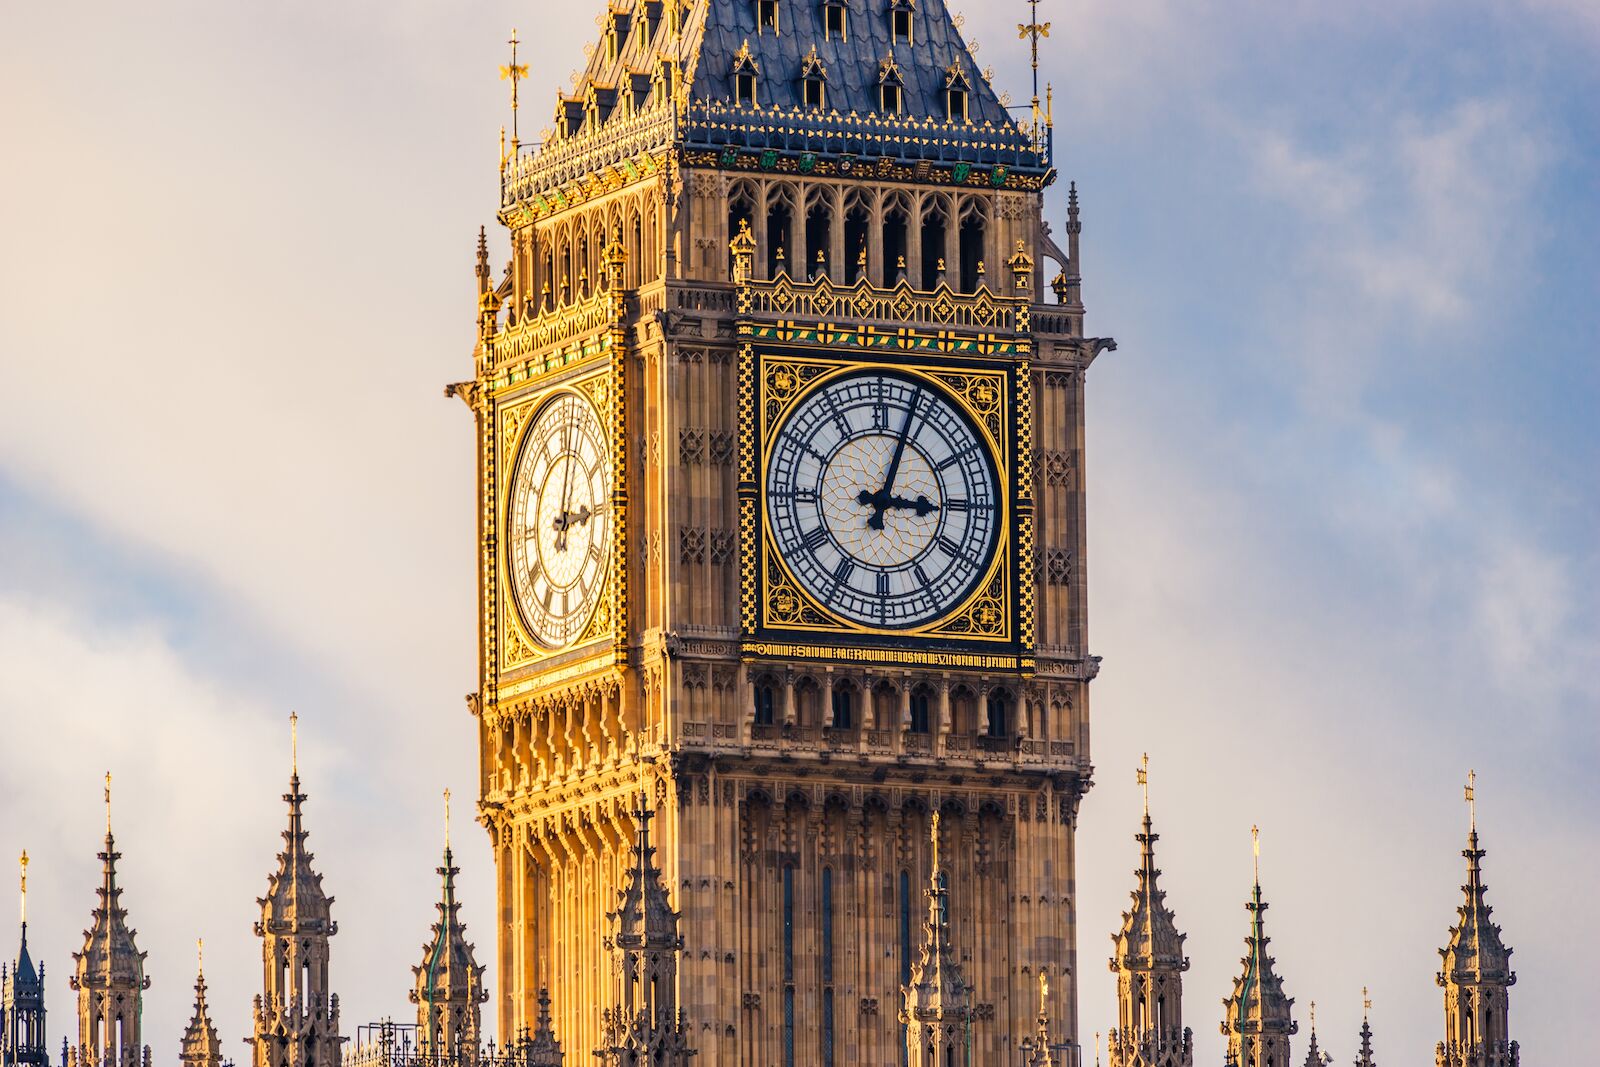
(518, 649)
(779, 615)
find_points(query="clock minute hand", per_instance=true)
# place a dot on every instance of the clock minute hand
(881, 499)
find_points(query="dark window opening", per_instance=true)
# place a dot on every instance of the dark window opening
(894, 246)
(855, 245)
(745, 90)
(834, 21)
(765, 704)
(998, 708)
(933, 265)
(957, 105)
(815, 95)
(780, 225)
(919, 712)
(844, 708)
(901, 21)
(972, 234)
(767, 15)
(819, 237)
(891, 98)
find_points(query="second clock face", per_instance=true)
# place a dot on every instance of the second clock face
(883, 499)
(559, 528)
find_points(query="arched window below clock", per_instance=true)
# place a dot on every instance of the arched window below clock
(885, 705)
(808, 702)
(766, 702)
(844, 706)
(963, 711)
(998, 707)
(921, 701)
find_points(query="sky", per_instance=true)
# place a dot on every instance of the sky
(1343, 503)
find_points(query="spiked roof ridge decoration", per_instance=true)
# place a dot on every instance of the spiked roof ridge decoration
(110, 959)
(681, 64)
(449, 980)
(295, 900)
(1259, 1012)
(201, 1047)
(1149, 938)
(542, 1049)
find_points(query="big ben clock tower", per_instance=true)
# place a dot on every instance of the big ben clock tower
(780, 437)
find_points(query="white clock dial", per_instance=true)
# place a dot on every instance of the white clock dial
(883, 499)
(559, 527)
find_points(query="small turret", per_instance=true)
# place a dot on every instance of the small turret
(1258, 1021)
(110, 979)
(1365, 1058)
(201, 1047)
(938, 1011)
(449, 990)
(1315, 1057)
(543, 1050)
(22, 1011)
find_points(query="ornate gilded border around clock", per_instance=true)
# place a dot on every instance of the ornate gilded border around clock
(517, 648)
(772, 601)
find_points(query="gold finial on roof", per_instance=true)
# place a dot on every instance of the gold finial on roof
(24, 864)
(1144, 780)
(1472, 798)
(1313, 1017)
(1044, 991)
(1366, 1004)
(1097, 1048)
(447, 818)
(1255, 844)
(934, 833)
(294, 743)
(200, 956)
(108, 803)
(513, 72)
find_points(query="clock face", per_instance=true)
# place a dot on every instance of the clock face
(883, 499)
(559, 530)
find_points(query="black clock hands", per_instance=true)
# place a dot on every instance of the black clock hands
(884, 498)
(563, 520)
(567, 520)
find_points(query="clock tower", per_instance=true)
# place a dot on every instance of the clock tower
(779, 420)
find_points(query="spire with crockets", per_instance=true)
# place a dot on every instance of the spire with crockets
(22, 1014)
(1315, 1057)
(449, 990)
(1477, 975)
(938, 1010)
(296, 1016)
(645, 1026)
(201, 1046)
(1365, 1059)
(110, 979)
(1258, 1023)
(1149, 965)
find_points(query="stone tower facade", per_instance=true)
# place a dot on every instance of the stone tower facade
(1476, 978)
(1258, 1022)
(1149, 963)
(200, 1047)
(109, 977)
(449, 990)
(780, 440)
(296, 1014)
(22, 1009)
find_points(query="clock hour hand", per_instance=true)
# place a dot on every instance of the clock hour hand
(881, 500)
(566, 520)
(922, 505)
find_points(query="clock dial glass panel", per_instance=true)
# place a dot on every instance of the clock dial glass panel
(559, 527)
(883, 499)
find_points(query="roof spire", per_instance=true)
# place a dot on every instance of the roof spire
(294, 744)
(1472, 800)
(1255, 843)
(1365, 1059)
(514, 73)
(108, 804)
(447, 820)
(1144, 782)
(24, 864)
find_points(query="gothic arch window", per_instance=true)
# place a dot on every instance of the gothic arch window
(765, 702)
(964, 710)
(896, 230)
(780, 230)
(857, 226)
(827, 966)
(998, 713)
(819, 232)
(741, 213)
(935, 227)
(974, 232)
(808, 702)
(746, 76)
(788, 965)
(921, 699)
(844, 706)
(885, 703)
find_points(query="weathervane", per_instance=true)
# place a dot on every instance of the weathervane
(1366, 1004)
(294, 743)
(1144, 781)
(1034, 29)
(108, 803)
(447, 818)
(514, 73)
(24, 863)
(1472, 798)
(1255, 844)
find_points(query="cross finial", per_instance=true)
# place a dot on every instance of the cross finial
(200, 956)
(24, 864)
(108, 803)
(447, 818)
(1255, 845)
(1313, 1017)
(1097, 1048)
(1472, 798)
(514, 72)
(1144, 780)
(294, 743)
(1366, 1004)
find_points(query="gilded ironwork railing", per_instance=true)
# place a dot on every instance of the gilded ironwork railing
(572, 158)
(716, 124)
(541, 333)
(824, 301)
